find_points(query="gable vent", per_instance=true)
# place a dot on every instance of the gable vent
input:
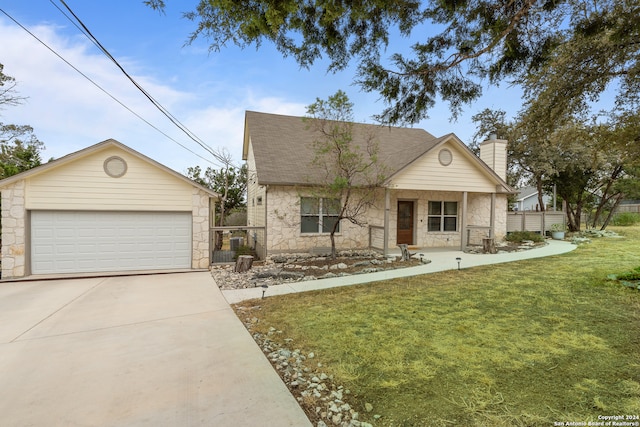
(445, 157)
(115, 167)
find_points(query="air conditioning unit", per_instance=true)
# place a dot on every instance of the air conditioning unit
(236, 242)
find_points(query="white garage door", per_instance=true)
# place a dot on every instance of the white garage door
(81, 242)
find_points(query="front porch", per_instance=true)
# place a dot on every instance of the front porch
(437, 219)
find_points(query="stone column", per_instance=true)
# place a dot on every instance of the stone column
(13, 231)
(200, 257)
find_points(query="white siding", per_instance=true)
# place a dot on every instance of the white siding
(256, 194)
(427, 173)
(83, 185)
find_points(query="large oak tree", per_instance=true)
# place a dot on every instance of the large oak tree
(579, 48)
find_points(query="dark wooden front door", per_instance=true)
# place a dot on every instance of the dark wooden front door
(405, 222)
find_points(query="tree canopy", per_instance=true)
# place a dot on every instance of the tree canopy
(456, 45)
(19, 147)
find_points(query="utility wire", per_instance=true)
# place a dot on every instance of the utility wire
(102, 89)
(155, 102)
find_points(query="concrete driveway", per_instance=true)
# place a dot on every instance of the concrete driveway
(156, 350)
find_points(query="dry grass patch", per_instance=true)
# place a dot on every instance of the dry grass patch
(526, 343)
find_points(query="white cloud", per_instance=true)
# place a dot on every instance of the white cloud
(69, 113)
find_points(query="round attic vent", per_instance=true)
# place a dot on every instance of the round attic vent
(115, 166)
(445, 157)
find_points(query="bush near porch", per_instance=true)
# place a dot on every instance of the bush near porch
(527, 343)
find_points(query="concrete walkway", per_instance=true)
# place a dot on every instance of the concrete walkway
(155, 350)
(441, 260)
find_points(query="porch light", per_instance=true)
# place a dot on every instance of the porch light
(458, 259)
(264, 289)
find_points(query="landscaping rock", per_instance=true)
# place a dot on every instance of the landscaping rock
(339, 266)
(291, 275)
(279, 269)
(327, 399)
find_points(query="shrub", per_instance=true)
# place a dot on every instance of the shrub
(245, 250)
(519, 236)
(626, 219)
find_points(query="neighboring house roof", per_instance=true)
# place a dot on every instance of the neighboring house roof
(526, 192)
(93, 149)
(283, 148)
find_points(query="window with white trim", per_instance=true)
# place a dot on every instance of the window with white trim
(318, 215)
(442, 216)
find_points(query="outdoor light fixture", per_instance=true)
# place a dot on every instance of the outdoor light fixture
(458, 259)
(264, 289)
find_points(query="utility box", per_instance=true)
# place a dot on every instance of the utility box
(236, 242)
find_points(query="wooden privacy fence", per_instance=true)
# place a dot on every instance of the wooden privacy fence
(538, 222)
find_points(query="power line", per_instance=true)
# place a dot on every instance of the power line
(102, 89)
(155, 102)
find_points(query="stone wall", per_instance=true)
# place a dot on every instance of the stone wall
(284, 220)
(200, 229)
(13, 231)
(284, 235)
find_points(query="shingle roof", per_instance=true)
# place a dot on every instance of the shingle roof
(283, 147)
(526, 192)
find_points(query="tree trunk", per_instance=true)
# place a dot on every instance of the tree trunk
(619, 198)
(543, 208)
(606, 197)
(489, 246)
(243, 263)
(333, 244)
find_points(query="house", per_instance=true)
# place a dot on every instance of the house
(437, 194)
(106, 208)
(527, 200)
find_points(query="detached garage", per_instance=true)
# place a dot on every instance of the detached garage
(106, 208)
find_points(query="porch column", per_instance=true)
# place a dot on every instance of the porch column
(387, 208)
(493, 216)
(463, 222)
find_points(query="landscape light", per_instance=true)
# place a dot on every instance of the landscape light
(458, 259)
(264, 289)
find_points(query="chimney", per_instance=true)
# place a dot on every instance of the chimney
(494, 153)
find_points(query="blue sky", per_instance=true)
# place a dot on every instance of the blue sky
(207, 91)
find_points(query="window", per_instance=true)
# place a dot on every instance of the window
(318, 215)
(443, 216)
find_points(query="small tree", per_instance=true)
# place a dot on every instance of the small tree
(346, 160)
(230, 182)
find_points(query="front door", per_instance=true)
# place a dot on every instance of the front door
(405, 222)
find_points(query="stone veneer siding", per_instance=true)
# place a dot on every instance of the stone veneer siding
(13, 231)
(284, 220)
(200, 229)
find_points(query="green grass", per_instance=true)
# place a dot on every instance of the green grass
(526, 344)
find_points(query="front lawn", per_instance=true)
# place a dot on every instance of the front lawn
(530, 343)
